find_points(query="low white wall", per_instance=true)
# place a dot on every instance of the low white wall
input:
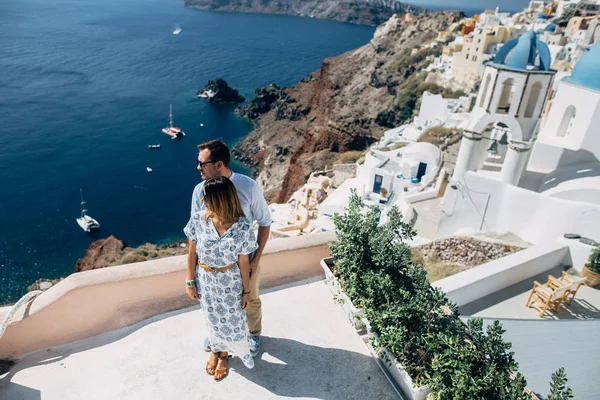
(478, 282)
(483, 204)
(428, 193)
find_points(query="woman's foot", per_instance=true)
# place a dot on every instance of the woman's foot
(221, 369)
(211, 364)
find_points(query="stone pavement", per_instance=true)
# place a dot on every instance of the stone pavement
(309, 351)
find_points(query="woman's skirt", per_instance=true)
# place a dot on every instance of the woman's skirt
(221, 299)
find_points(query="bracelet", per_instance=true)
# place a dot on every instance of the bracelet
(190, 283)
(248, 292)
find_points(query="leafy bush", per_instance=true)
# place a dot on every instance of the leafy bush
(558, 388)
(415, 321)
(594, 261)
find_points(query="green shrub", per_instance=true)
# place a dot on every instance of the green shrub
(558, 386)
(415, 321)
(594, 261)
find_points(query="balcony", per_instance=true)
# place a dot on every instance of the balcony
(128, 332)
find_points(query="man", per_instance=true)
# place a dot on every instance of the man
(214, 160)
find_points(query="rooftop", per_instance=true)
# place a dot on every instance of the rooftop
(309, 351)
(542, 345)
(585, 72)
(521, 53)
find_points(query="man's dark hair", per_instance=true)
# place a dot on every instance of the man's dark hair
(218, 151)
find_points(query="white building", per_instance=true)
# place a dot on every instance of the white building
(399, 171)
(559, 190)
(567, 151)
(512, 97)
(590, 6)
(389, 178)
(436, 110)
(489, 18)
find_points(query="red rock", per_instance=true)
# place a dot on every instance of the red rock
(101, 253)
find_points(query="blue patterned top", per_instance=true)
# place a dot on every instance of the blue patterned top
(219, 252)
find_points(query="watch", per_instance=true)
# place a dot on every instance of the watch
(190, 283)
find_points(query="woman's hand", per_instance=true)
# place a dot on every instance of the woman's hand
(192, 293)
(245, 301)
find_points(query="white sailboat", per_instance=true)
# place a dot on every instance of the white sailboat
(171, 130)
(86, 222)
(177, 30)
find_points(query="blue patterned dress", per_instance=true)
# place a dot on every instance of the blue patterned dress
(221, 292)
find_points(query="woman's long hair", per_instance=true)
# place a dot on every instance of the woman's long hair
(221, 199)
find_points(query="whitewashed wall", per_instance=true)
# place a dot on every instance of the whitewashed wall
(504, 208)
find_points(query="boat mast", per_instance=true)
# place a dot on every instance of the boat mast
(170, 115)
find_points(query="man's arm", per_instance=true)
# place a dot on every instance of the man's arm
(260, 210)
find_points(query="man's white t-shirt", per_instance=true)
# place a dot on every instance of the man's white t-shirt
(251, 197)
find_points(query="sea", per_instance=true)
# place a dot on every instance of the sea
(85, 87)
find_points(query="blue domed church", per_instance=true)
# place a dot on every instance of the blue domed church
(509, 106)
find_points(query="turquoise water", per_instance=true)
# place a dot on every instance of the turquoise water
(85, 87)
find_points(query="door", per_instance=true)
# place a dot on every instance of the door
(421, 171)
(377, 184)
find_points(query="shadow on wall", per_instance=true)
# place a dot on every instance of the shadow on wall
(305, 371)
(573, 164)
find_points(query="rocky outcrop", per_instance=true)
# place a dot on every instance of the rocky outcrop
(305, 127)
(101, 253)
(364, 12)
(272, 98)
(112, 251)
(219, 92)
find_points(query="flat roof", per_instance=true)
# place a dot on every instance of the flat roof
(309, 351)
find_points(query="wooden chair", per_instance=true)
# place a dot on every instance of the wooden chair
(544, 297)
(567, 279)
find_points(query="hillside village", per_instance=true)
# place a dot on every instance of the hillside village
(497, 172)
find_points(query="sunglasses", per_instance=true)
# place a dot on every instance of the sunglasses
(202, 164)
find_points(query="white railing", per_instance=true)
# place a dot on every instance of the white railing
(22, 301)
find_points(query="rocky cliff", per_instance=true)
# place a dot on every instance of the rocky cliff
(362, 12)
(345, 105)
(112, 251)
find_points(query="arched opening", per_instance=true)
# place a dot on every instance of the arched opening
(486, 86)
(492, 149)
(566, 125)
(506, 97)
(534, 96)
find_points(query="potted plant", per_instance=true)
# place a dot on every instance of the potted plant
(355, 316)
(591, 270)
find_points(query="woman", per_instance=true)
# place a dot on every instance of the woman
(218, 273)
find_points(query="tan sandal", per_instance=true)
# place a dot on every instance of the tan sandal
(221, 369)
(211, 364)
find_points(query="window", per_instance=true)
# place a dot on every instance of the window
(566, 125)
(467, 57)
(474, 58)
(486, 86)
(506, 98)
(534, 95)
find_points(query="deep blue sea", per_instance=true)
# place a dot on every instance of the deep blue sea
(85, 87)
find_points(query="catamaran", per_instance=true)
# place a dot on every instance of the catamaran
(171, 130)
(86, 222)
